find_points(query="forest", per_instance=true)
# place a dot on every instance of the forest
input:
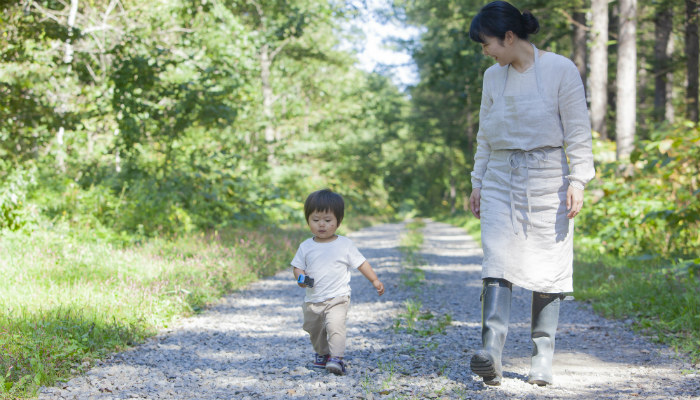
(125, 123)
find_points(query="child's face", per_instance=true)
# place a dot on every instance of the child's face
(323, 225)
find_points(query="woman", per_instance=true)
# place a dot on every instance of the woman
(533, 116)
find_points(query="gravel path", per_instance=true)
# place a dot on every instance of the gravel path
(251, 345)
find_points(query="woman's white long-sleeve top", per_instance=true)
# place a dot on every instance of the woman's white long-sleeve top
(561, 83)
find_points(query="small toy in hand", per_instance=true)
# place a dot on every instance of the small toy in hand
(308, 281)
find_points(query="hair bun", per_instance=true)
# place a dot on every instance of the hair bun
(530, 23)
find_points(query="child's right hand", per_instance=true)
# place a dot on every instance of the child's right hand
(297, 273)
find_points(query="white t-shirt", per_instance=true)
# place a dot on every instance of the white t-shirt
(330, 265)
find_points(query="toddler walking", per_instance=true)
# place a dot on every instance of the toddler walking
(328, 259)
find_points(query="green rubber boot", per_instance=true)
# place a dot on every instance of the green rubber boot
(545, 318)
(495, 316)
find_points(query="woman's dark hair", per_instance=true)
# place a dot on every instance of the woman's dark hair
(325, 200)
(499, 17)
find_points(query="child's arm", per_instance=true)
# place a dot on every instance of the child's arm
(368, 272)
(298, 272)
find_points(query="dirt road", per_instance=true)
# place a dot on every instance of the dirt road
(251, 345)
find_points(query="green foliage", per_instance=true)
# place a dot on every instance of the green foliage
(433, 175)
(653, 210)
(410, 243)
(413, 239)
(421, 323)
(414, 320)
(40, 348)
(439, 145)
(160, 93)
(464, 220)
(68, 298)
(26, 68)
(411, 277)
(155, 123)
(639, 256)
(662, 298)
(14, 210)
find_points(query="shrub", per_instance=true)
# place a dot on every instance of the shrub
(654, 208)
(14, 211)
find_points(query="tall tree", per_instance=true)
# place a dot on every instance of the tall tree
(579, 43)
(445, 101)
(598, 79)
(280, 27)
(692, 50)
(277, 30)
(663, 73)
(626, 114)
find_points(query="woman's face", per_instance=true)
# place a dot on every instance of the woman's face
(495, 48)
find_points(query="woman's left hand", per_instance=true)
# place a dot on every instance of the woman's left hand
(574, 201)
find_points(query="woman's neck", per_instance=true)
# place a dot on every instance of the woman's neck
(524, 56)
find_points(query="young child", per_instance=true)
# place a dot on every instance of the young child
(328, 259)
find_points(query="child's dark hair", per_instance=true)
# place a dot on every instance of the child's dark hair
(499, 17)
(325, 200)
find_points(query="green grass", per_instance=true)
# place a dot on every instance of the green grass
(662, 299)
(412, 240)
(354, 222)
(414, 320)
(464, 220)
(411, 277)
(421, 323)
(409, 244)
(67, 298)
(660, 296)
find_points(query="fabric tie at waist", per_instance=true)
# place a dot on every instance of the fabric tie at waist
(521, 159)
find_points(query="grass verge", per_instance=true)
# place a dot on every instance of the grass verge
(662, 298)
(414, 320)
(68, 298)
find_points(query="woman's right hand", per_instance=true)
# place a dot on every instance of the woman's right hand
(475, 202)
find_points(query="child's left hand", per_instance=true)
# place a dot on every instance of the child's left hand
(379, 286)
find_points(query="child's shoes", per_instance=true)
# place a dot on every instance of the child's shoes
(320, 361)
(336, 366)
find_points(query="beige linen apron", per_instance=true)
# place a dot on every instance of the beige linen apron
(526, 236)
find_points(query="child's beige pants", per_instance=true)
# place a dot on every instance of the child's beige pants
(325, 322)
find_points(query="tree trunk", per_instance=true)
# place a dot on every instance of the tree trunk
(471, 126)
(613, 36)
(692, 8)
(62, 108)
(268, 101)
(60, 152)
(68, 56)
(598, 81)
(663, 74)
(453, 194)
(670, 111)
(579, 44)
(626, 80)
(265, 65)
